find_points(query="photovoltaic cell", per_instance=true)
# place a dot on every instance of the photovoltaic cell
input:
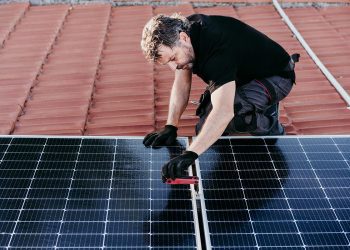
(91, 193)
(276, 193)
(106, 193)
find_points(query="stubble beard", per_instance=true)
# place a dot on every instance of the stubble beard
(189, 57)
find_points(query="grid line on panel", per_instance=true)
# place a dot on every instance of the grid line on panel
(8, 145)
(174, 233)
(26, 196)
(299, 178)
(322, 188)
(154, 210)
(71, 161)
(284, 194)
(245, 199)
(214, 210)
(95, 221)
(67, 199)
(271, 220)
(109, 196)
(285, 188)
(78, 188)
(150, 202)
(64, 235)
(67, 153)
(77, 179)
(336, 145)
(257, 169)
(269, 198)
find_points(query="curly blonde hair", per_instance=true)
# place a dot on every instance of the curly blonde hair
(162, 30)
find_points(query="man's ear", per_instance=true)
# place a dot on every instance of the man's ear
(184, 37)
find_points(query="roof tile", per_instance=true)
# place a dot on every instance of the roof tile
(82, 23)
(327, 39)
(82, 71)
(10, 14)
(123, 99)
(34, 54)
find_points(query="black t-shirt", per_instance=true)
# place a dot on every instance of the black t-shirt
(227, 49)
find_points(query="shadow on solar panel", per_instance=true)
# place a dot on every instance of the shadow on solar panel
(282, 193)
(226, 174)
(83, 193)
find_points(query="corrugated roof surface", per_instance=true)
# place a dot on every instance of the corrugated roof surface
(79, 70)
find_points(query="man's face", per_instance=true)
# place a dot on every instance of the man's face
(181, 56)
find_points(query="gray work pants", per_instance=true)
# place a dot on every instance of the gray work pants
(255, 112)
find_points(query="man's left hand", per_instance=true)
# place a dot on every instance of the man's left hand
(176, 167)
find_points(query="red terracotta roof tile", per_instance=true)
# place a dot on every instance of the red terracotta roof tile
(70, 129)
(234, 1)
(338, 18)
(184, 9)
(327, 39)
(123, 99)
(10, 14)
(82, 23)
(31, 56)
(91, 77)
(315, 1)
(211, 2)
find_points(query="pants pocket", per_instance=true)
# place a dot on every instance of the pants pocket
(204, 102)
(203, 110)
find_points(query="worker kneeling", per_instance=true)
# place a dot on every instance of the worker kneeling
(246, 73)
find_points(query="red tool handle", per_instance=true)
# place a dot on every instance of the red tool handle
(183, 180)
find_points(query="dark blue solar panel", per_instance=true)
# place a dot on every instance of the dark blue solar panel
(277, 193)
(268, 193)
(90, 193)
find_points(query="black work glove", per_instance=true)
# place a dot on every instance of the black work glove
(176, 167)
(165, 137)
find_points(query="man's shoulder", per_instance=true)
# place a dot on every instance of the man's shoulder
(215, 23)
(198, 18)
(209, 18)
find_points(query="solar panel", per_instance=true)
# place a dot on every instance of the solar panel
(92, 193)
(106, 193)
(269, 193)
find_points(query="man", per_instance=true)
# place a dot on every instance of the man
(247, 75)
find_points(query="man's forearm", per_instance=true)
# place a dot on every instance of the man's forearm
(213, 128)
(175, 112)
(222, 113)
(178, 103)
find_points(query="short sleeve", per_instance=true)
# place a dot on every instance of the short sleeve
(220, 69)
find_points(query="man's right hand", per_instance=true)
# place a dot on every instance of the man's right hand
(165, 137)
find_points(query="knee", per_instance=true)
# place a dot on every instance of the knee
(245, 122)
